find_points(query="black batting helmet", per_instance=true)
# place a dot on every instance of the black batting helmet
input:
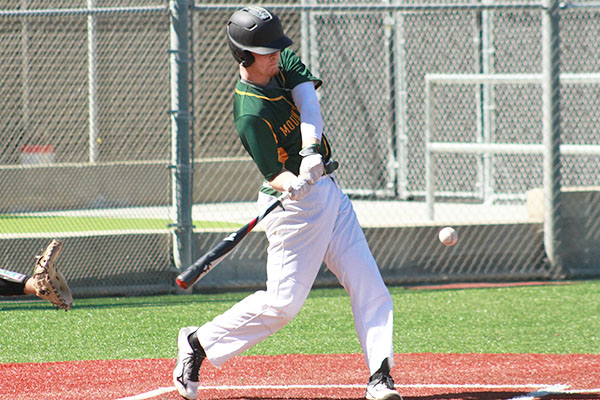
(255, 29)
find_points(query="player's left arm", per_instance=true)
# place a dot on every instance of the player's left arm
(303, 84)
(311, 122)
(311, 129)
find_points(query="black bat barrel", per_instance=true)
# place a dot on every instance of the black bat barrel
(208, 261)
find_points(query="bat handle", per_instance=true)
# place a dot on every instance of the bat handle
(284, 196)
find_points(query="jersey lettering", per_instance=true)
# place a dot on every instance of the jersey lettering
(292, 123)
(282, 155)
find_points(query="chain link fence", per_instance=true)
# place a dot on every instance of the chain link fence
(410, 90)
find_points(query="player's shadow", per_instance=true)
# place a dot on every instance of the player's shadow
(489, 395)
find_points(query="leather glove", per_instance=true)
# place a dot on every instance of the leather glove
(312, 166)
(49, 283)
(298, 188)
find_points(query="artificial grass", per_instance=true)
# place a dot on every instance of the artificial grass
(560, 319)
(41, 224)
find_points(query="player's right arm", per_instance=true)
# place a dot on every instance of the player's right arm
(261, 143)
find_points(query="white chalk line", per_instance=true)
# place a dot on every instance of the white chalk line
(545, 389)
(150, 394)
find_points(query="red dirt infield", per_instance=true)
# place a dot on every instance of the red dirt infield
(423, 376)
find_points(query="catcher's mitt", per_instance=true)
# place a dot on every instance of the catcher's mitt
(49, 283)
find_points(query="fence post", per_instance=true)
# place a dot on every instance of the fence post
(551, 131)
(429, 162)
(92, 83)
(181, 172)
(487, 102)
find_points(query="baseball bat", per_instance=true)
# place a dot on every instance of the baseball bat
(202, 266)
(192, 274)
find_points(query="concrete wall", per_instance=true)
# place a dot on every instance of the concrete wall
(83, 186)
(94, 265)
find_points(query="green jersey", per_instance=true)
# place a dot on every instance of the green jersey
(268, 121)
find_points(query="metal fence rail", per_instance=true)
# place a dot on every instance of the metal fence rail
(118, 137)
(485, 175)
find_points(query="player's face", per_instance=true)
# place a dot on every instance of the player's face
(267, 65)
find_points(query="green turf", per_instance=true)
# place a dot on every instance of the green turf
(534, 319)
(38, 224)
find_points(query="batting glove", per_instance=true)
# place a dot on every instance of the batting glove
(298, 188)
(311, 167)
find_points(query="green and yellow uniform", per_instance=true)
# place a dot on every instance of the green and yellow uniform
(268, 122)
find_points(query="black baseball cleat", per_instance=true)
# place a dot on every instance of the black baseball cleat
(381, 385)
(190, 355)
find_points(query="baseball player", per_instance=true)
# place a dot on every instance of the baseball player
(278, 118)
(46, 282)
(15, 284)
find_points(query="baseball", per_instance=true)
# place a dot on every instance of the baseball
(448, 236)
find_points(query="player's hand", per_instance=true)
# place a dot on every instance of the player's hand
(312, 166)
(298, 188)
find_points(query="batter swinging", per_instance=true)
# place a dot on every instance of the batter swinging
(278, 119)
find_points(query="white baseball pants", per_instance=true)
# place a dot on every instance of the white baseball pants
(320, 227)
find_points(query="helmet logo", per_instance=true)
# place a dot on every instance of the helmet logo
(259, 12)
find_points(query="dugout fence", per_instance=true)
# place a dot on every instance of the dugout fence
(117, 136)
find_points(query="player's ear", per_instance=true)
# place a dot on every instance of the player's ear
(243, 57)
(247, 59)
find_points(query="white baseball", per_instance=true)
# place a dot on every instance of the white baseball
(448, 236)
